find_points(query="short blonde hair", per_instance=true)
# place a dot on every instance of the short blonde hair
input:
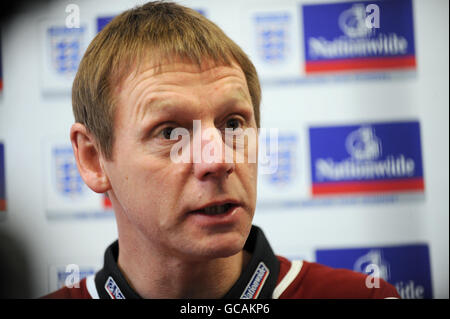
(159, 30)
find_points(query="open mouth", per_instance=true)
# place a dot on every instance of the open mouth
(216, 209)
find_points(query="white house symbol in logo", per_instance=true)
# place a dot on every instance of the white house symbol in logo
(363, 144)
(373, 257)
(353, 22)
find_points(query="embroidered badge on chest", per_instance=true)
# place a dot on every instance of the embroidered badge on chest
(113, 290)
(256, 283)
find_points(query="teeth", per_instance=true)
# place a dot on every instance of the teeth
(216, 210)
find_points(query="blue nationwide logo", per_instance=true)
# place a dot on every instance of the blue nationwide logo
(406, 267)
(370, 158)
(343, 37)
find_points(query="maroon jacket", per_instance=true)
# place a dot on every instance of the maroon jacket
(266, 276)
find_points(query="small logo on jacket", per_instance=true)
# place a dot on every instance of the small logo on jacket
(256, 282)
(113, 290)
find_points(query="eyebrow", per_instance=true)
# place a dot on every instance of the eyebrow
(168, 104)
(158, 104)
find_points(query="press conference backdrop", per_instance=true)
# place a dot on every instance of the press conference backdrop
(358, 91)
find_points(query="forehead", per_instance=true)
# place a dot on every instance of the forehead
(171, 79)
(178, 69)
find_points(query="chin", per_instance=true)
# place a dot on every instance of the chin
(225, 245)
(204, 244)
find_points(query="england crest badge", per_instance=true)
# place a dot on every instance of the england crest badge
(62, 50)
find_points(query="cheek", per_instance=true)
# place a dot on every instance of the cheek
(150, 186)
(248, 174)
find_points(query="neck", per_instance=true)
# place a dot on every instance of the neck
(155, 275)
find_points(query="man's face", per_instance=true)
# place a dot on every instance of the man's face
(164, 200)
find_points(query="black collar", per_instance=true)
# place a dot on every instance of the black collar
(258, 280)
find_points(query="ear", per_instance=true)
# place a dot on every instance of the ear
(89, 159)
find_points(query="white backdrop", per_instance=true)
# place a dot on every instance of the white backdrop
(35, 115)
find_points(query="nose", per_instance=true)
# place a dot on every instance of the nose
(210, 160)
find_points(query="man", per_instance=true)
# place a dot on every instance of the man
(185, 227)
